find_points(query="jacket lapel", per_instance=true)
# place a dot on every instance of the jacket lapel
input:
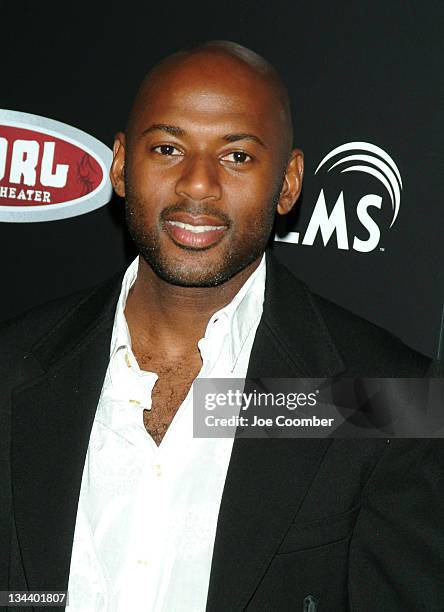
(268, 479)
(52, 420)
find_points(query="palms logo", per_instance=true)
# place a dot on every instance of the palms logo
(361, 157)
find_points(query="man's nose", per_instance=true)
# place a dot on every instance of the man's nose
(199, 179)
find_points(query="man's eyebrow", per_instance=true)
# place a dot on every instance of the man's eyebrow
(173, 130)
(237, 137)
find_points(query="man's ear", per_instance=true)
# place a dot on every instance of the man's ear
(291, 188)
(117, 170)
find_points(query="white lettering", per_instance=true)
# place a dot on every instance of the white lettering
(328, 224)
(25, 155)
(247, 400)
(48, 178)
(313, 421)
(365, 246)
(25, 194)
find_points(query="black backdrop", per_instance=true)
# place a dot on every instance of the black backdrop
(356, 71)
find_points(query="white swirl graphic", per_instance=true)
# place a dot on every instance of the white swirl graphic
(379, 164)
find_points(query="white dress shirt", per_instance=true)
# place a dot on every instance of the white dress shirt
(147, 514)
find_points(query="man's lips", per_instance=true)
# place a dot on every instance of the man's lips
(194, 232)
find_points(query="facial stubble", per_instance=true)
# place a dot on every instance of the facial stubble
(236, 251)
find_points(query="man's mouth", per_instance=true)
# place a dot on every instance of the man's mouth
(197, 229)
(194, 232)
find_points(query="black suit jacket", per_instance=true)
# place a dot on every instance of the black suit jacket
(329, 524)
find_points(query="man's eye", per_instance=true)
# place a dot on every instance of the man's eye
(167, 150)
(237, 157)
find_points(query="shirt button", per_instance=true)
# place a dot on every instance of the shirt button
(158, 469)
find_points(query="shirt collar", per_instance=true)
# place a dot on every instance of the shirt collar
(239, 316)
(121, 337)
(244, 310)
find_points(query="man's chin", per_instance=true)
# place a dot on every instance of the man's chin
(196, 273)
(191, 278)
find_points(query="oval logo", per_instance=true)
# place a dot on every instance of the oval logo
(49, 170)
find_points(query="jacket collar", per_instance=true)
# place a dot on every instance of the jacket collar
(292, 339)
(79, 325)
(53, 416)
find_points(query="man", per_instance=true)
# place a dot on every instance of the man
(111, 494)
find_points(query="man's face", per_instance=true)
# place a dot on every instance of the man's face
(204, 167)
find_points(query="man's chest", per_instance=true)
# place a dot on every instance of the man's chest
(172, 386)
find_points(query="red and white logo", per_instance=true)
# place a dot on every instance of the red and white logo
(49, 170)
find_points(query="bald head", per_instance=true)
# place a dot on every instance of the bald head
(220, 63)
(206, 163)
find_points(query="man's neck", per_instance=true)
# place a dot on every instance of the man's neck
(171, 319)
